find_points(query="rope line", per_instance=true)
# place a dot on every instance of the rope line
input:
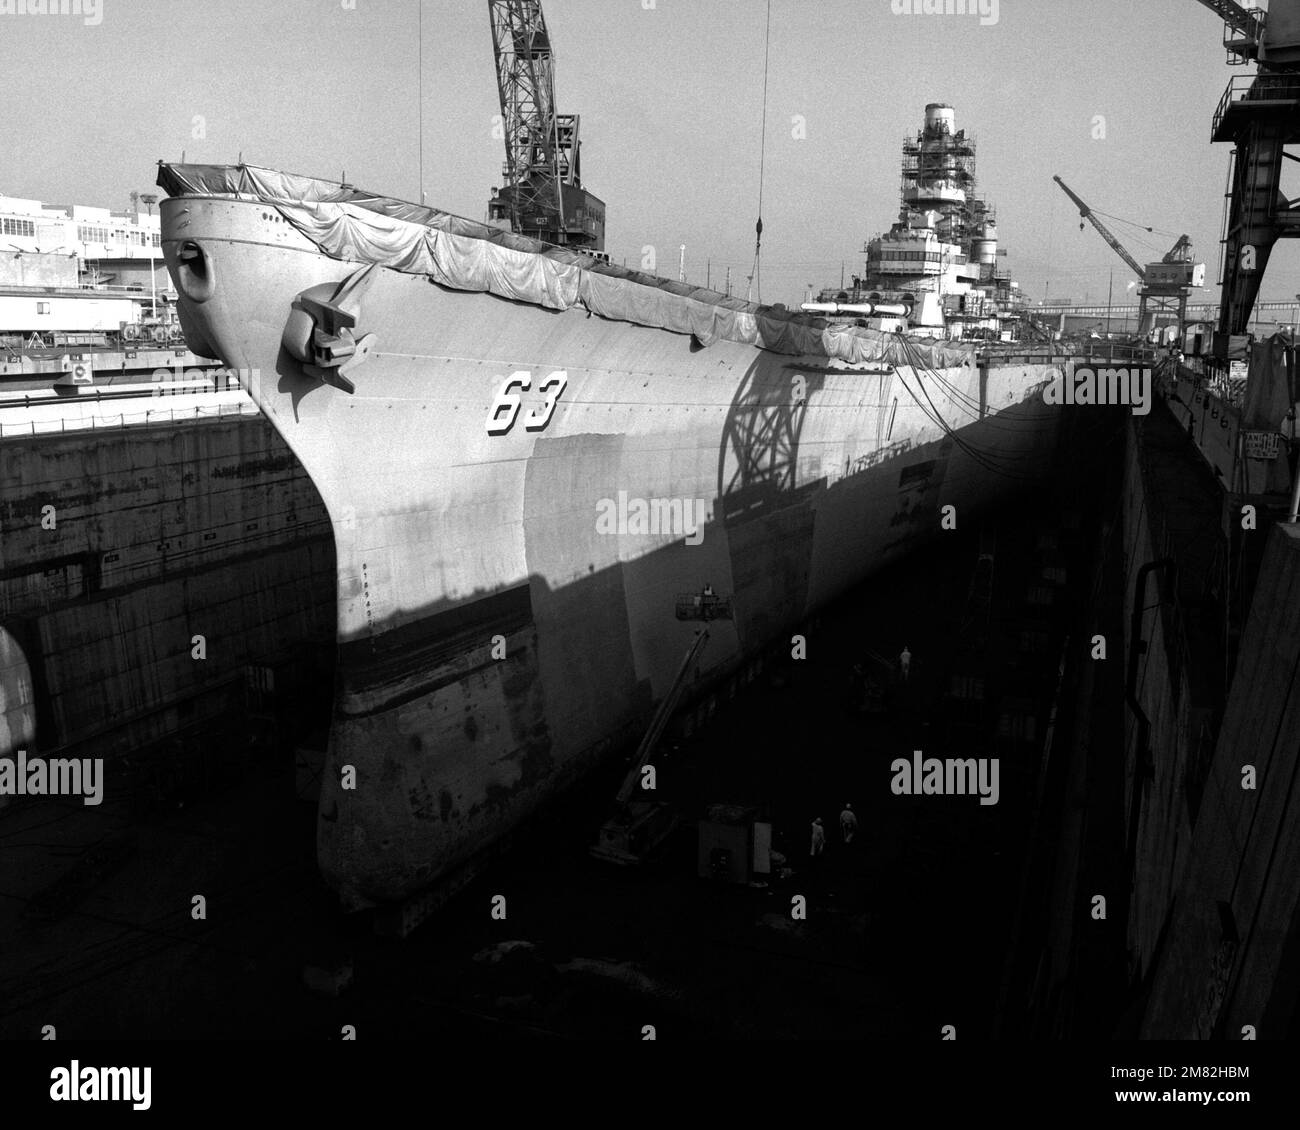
(762, 161)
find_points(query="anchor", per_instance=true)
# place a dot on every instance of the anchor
(319, 332)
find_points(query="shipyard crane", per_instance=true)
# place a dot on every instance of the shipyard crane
(1260, 115)
(543, 195)
(1234, 15)
(1086, 213)
(1181, 252)
(637, 827)
(1164, 285)
(1245, 22)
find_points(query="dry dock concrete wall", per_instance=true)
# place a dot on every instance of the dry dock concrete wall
(1174, 567)
(1179, 758)
(1212, 818)
(1232, 960)
(120, 548)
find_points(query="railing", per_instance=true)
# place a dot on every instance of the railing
(1255, 88)
(1112, 351)
(125, 420)
(204, 385)
(1242, 28)
(1060, 352)
(81, 289)
(139, 337)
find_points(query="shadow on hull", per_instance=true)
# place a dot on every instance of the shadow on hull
(459, 723)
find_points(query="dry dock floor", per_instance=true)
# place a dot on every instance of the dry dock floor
(906, 927)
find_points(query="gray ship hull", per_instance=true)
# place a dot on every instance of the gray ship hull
(505, 615)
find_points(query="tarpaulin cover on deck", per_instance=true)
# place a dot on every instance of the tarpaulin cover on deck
(349, 224)
(1268, 386)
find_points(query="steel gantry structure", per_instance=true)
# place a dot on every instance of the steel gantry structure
(1260, 115)
(543, 195)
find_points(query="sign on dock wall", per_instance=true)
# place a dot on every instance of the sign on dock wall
(1260, 445)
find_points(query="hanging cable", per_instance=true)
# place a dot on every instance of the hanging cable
(984, 458)
(420, 88)
(762, 161)
(1134, 224)
(1006, 420)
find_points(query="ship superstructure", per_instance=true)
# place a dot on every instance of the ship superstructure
(935, 272)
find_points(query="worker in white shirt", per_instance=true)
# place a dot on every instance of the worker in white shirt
(848, 823)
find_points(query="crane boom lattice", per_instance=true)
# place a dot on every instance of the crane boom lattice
(1086, 213)
(543, 195)
(1165, 285)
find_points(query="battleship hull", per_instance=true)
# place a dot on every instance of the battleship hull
(510, 556)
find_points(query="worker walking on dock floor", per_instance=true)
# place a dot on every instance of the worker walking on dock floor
(848, 823)
(905, 661)
(818, 837)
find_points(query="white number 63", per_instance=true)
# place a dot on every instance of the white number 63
(512, 401)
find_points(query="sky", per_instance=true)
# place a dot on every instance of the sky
(1115, 96)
